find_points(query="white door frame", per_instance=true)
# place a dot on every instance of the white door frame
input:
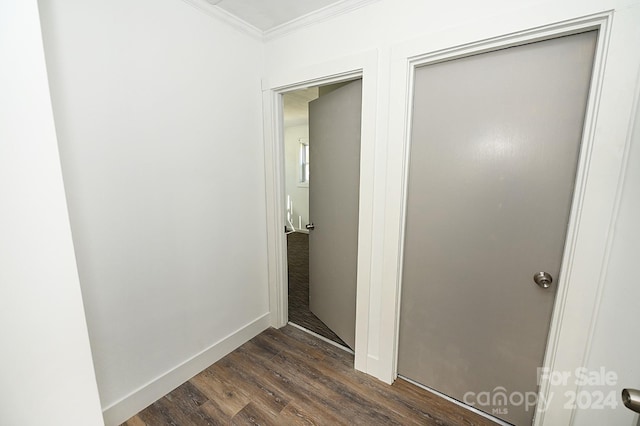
(359, 66)
(386, 78)
(580, 278)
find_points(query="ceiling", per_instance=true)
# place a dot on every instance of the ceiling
(268, 14)
(296, 106)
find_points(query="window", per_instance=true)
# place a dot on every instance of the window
(304, 162)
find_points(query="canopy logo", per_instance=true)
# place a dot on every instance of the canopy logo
(588, 389)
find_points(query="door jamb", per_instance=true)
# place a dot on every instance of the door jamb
(406, 55)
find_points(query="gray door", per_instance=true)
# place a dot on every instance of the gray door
(334, 170)
(494, 150)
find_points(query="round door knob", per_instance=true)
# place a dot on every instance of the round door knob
(543, 279)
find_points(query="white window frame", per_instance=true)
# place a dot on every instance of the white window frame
(303, 162)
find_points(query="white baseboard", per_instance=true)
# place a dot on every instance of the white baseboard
(374, 368)
(128, 406)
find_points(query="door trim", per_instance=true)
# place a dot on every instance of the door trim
(567, 343)
(359, 66)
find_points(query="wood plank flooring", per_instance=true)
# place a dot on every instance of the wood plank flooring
(288, 377)
(298, 266)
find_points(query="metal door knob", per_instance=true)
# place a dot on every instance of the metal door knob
(310, 226)
(543, 279)
(631, 399)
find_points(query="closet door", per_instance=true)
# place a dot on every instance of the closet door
(494, 150)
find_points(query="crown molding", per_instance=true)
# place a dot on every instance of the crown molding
(320, 15)
(224, 16)
(315, 17)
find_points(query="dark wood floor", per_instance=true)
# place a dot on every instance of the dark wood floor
(288, 377)
(298, 266)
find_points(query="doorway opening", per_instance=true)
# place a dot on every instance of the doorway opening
(321, 141)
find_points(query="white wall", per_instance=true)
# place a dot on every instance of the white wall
(615, 339)
(47, 374)
(158, 113)
(383, 30)
(298, 194)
